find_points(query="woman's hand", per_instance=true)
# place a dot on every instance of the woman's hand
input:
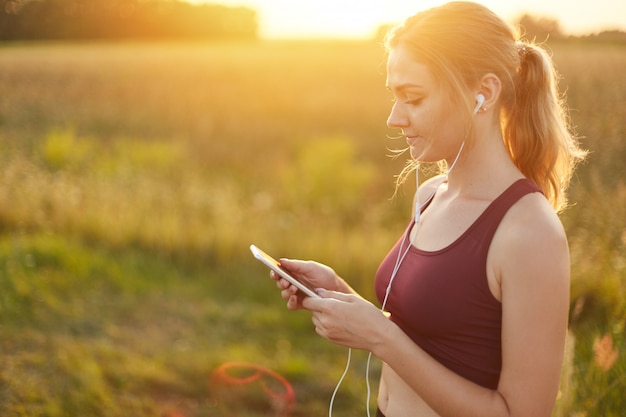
(347, 319)
(313, 274)
(340, 315)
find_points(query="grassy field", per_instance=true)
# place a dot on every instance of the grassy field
(134, 177)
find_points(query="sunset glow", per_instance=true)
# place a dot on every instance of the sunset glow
(358, 19)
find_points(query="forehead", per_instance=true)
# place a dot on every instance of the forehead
(404, 71)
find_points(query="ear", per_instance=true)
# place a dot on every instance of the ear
(490, 87)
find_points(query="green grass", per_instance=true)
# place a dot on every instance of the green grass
(92, 331)
(134, 177)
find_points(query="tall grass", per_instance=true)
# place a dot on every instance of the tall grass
(134, 177)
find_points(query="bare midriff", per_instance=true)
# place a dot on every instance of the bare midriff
(397, 399)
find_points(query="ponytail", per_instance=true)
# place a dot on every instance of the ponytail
(536, 126)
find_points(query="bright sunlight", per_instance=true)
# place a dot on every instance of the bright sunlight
(358, 19)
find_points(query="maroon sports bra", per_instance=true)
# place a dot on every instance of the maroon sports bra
(441, 299)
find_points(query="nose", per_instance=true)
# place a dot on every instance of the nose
(397, 118)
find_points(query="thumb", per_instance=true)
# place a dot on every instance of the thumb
(296, 266)
(340, 296)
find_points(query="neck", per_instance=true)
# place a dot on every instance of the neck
(483, 165)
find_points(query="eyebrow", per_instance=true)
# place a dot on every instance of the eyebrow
(406, 86)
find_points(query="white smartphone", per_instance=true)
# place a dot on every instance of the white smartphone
(275, 266)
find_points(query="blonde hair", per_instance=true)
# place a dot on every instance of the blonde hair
(461, 42)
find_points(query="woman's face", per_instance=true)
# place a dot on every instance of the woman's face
(422, 110)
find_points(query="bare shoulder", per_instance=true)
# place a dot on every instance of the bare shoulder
(531, 242)
(428, 187)
(532, 221)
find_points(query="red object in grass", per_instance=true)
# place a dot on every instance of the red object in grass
(241, 373)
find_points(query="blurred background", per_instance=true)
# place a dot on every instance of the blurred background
(145, 144)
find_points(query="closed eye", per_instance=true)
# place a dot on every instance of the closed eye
(414, 102)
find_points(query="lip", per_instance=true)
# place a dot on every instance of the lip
(411, 139)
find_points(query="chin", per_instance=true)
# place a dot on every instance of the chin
(417, 154)
(421, 155)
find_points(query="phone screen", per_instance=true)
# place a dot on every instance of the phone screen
(275, 266)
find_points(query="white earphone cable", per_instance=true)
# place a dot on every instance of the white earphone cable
(400, 258)
(345, 372)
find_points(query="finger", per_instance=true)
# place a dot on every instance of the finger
(319, 326)
(320, 332)
(295, 266)
(283, 284)
(313, 304)
(334, 294)
(293, 302)
(315, 320)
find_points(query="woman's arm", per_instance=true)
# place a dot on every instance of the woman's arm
(531, 261)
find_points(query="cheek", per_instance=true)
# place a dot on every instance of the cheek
(444, 132)
(446, 125)
(433, 124)
(424, 119)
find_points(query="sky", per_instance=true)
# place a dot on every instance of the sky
(360, 18)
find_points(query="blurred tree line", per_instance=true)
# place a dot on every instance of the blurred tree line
(544, 29)
(118, 19)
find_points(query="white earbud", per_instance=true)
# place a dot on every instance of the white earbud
(480, 99)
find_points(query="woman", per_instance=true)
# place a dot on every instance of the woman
(477, 288)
